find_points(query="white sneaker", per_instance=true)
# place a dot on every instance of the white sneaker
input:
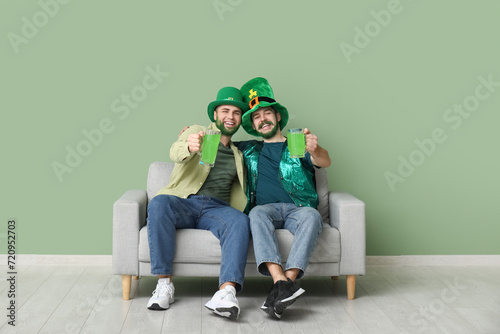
(224, 303)
(163, 295)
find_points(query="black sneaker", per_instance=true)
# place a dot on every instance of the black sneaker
(288, 292)
(268, 305)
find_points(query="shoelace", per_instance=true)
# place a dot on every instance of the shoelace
(224, 293)
(162, 289)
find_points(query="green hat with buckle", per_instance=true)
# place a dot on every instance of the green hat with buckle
(257, 93)
(227, 95)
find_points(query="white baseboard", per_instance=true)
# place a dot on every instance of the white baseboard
(433, 260)
(58, 260)
(371, 261)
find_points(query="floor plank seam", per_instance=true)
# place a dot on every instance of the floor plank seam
(62, 299)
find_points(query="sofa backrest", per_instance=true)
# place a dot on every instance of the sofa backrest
(159, 176)
(322, 190)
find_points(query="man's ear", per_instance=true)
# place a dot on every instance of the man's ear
(215, 115)
(278, 116)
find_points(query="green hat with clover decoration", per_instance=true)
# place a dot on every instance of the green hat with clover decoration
(227, 95)
(257, 93)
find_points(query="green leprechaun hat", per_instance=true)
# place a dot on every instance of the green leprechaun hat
(227, 95)
(258, 93)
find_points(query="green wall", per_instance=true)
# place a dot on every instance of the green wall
(404, 94)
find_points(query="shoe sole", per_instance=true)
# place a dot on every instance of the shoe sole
(157, 307)
(281, 305)
(228, 312)
(270, 311)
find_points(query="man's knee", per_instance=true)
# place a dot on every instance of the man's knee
(260, 212)
(315, 216)
(162, 200)
(310, 213)
(311, 216)
(161, 203)
(256, 210)
(162, 209)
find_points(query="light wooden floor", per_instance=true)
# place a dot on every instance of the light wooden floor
(78, 299)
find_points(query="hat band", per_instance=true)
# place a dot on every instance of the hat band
(256, 100)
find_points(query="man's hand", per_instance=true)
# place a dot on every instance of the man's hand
(311, 141)
(319, 156)
(194, 142)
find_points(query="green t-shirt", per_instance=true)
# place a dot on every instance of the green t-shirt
(220, 179)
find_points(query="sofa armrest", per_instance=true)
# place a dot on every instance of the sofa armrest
(347, 214)
(129, 216)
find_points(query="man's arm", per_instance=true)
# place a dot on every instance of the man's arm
(319, 155)
(187, 145)
(242, 144)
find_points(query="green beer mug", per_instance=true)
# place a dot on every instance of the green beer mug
(209, 147)
(296, 143)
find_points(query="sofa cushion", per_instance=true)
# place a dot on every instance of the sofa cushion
(158, 177)
(201, 246)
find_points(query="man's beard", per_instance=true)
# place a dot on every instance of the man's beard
(269, 134)
(220, 125)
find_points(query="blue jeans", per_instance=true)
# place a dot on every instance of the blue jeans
(304, 223)
(167, 213)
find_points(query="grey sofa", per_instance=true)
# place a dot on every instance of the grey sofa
(340, 249)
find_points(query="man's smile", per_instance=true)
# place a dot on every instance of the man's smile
(265, 125)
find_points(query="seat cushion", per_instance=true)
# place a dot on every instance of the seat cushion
(200, 246)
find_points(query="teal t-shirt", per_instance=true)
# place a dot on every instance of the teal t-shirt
(269, 189)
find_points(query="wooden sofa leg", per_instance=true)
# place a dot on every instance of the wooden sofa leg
(126, 284)
(351, 286)
(136, 277)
